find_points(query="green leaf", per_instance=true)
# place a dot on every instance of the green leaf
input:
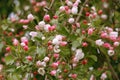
(9, 59)
(4, 27)
(1, 46)
(41, 52)
(77, 42)
(93, 57)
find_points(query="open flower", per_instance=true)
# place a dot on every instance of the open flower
(41, 71)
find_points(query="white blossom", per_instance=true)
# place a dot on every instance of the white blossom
(74, 10)
(99, 42)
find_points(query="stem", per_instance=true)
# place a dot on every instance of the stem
(48, 8)
(81, 10)
(51, 4)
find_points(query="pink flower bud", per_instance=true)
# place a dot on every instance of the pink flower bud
(52, 28)
(54, 65)
(38, 63)
(62, 8)
(90, 31)
(53, 72)
(104, 16)
(23, 21)
(55, 16)
(47, 18)
(8, 49)
(25, 48)
(30, 17)
(15, 42)
(56, 55)
(104, 35)
(63, 43)
(25, 26)
(50, 47)
(71, 20)
(116, 44)
(74, 76)
(84, 44)
(37, 27)
(103, 76)
(29, 58)
(33, 34)
(106, 45)
(74, 10)
(22, 44)
(46, 59)
(43, 3)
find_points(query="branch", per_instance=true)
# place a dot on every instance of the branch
(51, 4)
(81, 10)
(48, 8)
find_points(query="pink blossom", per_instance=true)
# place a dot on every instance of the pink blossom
(46, 59)
(25, 26)
(74, 76)
(53, 72)
(62, 8)
(25, 48)
(104, 35)
(33, 33)
(29, 58)
(8, 49)
(84, 44)
(15, 42)
(99, 42)
(52, 28)
(74, 10)
(54, 65)
(63, 43)
(24, 21)
(90, 31)
(103, 76)
(37, 27)
(43, 3)
(47, 17)
(106, 45)
(30, 17)
(116, 44)
(24, 40)
(56, 55)
(71, 20)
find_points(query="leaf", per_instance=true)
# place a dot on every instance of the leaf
(62, 30)
(93, 57)
(1, 46)
(41, 52)
(65, 51)
(9, 59)
(77, 42)
(4, 27)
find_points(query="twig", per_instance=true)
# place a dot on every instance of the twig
(48, 8)
(81, 10)
(51, 4)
